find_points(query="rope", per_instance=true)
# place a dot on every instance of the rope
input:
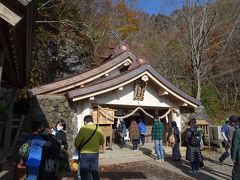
(130, 114)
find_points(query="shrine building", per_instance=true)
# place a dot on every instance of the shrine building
(123, 87)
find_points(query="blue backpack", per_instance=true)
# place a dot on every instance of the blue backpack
(142, 128)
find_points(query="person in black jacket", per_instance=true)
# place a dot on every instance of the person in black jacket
(176, 155)
(50, 157)
(235, 152)
(193, 153)
(60, 135)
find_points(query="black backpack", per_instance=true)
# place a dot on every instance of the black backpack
(195, 138)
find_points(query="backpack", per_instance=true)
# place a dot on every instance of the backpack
(24, 150)
(122, 129)
(142, 128)
(195, 138)
(171, 137)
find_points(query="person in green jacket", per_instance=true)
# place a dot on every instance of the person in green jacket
(235, 152)
(157, 137)
(88, 141)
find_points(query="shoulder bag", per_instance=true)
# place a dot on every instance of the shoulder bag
(82, 145)
(171, 137)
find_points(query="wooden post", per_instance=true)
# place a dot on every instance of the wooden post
(1, 64)
(209, 144)
(98, 115)
(18, 130)
(8, 132)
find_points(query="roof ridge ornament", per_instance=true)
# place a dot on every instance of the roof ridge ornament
(141, 60)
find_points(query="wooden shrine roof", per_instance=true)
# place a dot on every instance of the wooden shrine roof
(202, 122)
(83, 85)
(77, 80)
(127, 77)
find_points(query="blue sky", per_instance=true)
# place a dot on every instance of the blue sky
(165, 7)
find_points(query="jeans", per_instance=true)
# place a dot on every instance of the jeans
(135, 144)
(32, 172)
(159, 149)
(225, 155)
(142, 139)
(122, 142)
(89, 164)
(195, 166)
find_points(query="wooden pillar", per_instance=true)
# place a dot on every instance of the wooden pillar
(98, 115)
(7, 137)
(209, 145)
(1, 64)
(175, 117)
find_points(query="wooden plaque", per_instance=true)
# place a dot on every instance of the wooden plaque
(105, 116)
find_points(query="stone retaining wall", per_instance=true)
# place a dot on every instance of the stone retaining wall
(50, 109)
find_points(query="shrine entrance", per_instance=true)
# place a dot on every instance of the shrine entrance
(108, 118)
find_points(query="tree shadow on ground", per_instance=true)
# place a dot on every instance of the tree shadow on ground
(216, 162)
(205, 173)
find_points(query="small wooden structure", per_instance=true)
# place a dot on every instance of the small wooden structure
(203, 124)
(104, 118)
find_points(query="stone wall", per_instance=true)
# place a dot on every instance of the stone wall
(198, 113)
(50, 109)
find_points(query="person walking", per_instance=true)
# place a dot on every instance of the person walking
(35, 152)
(225, 143)
(50, 156)
(193, 140)
(142, 131)
(157, 137)
(235, 152)
(174, 131)
(88, 141)
(134, 134)
(122, 130)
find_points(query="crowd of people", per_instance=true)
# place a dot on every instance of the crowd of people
(193, 140)
(137, 132)
(48, 146)
(231, 142)
(45, 151)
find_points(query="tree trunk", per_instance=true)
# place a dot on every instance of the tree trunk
(198, 76)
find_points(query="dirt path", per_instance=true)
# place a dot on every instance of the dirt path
(137, 170)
